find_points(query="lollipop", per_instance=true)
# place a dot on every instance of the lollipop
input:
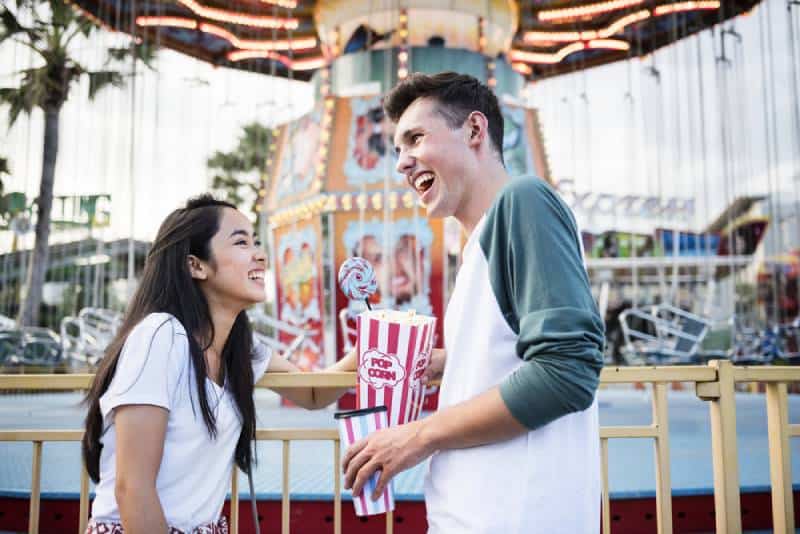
(357, 279)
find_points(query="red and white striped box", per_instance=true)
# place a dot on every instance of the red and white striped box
(394, 349)
(353, 426)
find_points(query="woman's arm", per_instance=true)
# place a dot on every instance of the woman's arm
(312, 398)
(140, 445)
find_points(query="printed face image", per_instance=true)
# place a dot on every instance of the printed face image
(399, 274)
(370, 141)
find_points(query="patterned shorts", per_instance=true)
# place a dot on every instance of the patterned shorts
(108, 527)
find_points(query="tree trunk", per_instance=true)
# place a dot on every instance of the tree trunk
(29, 312)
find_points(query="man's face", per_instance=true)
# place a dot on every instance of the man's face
(433, 157)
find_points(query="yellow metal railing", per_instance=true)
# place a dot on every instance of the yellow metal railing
(713, 383)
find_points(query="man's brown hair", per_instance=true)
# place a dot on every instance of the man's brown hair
(456, 95)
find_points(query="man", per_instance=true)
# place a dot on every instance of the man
(514, 445)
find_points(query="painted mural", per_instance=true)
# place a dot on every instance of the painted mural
(298, 264)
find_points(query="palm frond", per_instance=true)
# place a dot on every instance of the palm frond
(17, 100)
(144, 52)
(10, 26)
(99, 80)
(61, 14)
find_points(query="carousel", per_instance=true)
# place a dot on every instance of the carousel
(330, 190)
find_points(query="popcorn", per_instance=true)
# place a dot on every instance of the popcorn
(394, 350)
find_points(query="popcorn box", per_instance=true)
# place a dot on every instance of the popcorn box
(353, 426)
(394, 350)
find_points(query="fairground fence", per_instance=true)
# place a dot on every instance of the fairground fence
(714, 383)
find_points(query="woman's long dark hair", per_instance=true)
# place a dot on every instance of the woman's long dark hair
(167, 286)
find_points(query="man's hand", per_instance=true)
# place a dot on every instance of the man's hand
(390, 451)
(436, 367)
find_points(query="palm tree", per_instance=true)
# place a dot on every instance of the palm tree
(3, 170)
(250, 156)
(53, 26)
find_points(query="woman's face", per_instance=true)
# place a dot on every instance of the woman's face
(234, 276)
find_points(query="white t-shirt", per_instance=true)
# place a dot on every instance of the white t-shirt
(154, 368)
(542, 482)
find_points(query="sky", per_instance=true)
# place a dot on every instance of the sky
(647, 143)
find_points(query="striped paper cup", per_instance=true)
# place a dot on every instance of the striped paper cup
(353, 426)
(394, 349)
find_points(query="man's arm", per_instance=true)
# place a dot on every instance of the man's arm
(478, 421)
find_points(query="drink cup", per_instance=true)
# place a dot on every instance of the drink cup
(353, 426)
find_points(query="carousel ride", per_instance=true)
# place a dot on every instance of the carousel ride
(330, 190)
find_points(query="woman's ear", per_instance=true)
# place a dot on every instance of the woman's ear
(196, 268)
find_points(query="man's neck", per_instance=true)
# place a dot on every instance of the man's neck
(490, 180)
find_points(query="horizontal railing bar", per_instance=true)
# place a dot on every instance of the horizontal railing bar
(609, 375)
(675, 373)
(778, 373)
(794, 431)
(299, 434)
(649, 431)
(324, 380)
(41, 435)
(265, 434)
(46, 382)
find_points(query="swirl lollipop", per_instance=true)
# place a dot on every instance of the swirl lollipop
(357, 279)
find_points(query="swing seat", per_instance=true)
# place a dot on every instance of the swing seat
(30, 345)
(663, 335)
(84, 338)
(273, 333)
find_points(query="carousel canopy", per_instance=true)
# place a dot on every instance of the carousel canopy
(293, 38)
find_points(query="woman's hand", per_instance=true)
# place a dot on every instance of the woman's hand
(313, 398)
(436, 367)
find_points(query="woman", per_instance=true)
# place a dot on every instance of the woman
(171, 407)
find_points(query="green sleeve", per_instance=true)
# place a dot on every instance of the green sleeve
(531, 243)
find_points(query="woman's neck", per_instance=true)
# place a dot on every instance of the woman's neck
(222, 318)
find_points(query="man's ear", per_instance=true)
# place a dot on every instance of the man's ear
(477, 128)
(196, 268)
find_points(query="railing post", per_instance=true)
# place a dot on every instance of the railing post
(235, 499)
(337, 487)
(606, 497)
(661, 445)
(722, 408)
(780, 460)
(84, 501)
(285, 510)
(36, 489)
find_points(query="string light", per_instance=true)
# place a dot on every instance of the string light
(325, 137)
(557, 57)
(289, 4)
(236, 17)
(175, 22)
(587, 10)
(302, 43)
(615, 27)
(686, 6)
(402, 53)
(522, 68)
(303, 64)
(481, 35)
(609, 44)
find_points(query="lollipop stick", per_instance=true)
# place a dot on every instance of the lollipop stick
(369, 306)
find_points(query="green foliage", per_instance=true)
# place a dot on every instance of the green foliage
(249, 156)
(54, 26)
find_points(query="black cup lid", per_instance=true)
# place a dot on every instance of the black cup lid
(356, 413)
